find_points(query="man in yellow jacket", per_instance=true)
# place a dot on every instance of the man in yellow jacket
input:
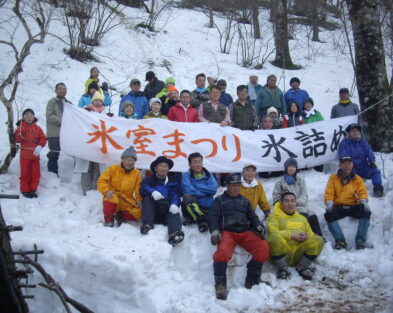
(120, 184)
(291, 240)
(346, 195)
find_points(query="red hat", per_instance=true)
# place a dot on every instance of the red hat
(172, 88)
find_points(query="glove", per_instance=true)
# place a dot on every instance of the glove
(104, 86)
(174, 209)
(373, 165)
(329, 206)
(215, 237)
(37, 150)
(157, 195)
(261, 231)
(366, 206)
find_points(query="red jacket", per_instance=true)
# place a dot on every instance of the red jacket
(29, 136)
(178, 113)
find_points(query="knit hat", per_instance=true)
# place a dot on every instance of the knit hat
(154, 100)
(129, 152)
(309, 99)
(126, 104)
(135, 81)
(98, 96)
(93, 85)
(27, 111)
(170, 80)
(221, 82)
(161, 159)
(272, 110)
(149, 75)
(173, 88)
(294, 79)
(290, 162)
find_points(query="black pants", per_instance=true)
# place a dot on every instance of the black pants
(314, 223)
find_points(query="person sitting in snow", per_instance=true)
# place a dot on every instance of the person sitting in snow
(233, 221)
(86, 98)
(31, 139)
(362, 156)
(292, 182)
(291, 239)
(120, 185)
(161, 200)
(155, 107)
(198, 186)
(346, 195)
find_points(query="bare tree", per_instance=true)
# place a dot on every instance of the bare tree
(24, 24)
(255, 21)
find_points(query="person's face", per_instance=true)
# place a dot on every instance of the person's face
(271, 83)
(291, 170)
(201, 82)
(253, 79)
(344, 95)
(249, 174)
(155, 107)
(95, 72)
(223, 88)
(295, 85)
(196, 165)
(308, 106)
(174, 95)
(346, 167)
(97, 103)
(288, 204)
(61, 91)
(293, 107)
(29, 117)
(128, 163)
(242, 94)
(267, 123)
(129, 110)
(354, 133)
(162, 169)
(273, 115)
(233, 189)
(136, 87)
(92, 91)
(185, 99)
(215, 94)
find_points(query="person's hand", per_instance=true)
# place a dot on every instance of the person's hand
(109, 194)
(37, 150)
(299, 237)
(261, 231)
(224, 123)
(157, 195)
(104, 86)
(366, 206)
(329, 206)
(215, 237)
(174, 209)
(266, 213)
(373, 165)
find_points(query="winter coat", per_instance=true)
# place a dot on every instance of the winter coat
(300, 96)
(133, 117)
(29, 136)
(360, 152)
(299, 188)
(243, 117)
(180, 114)
(291, 120)
(152, 115)
(207, 113)
(348, 194)
(85, 100)
(226, 99)
(313, 118)
(344, 109)
(141, 104)
(167, 104)
(197, 98)
(256, 194)
(266, 99)
(153, 88)
(234, 214)
(54, 115)
(201, 188)
(170, 189)
(126, 186)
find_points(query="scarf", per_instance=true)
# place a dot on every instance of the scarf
(309, 113)
(289, 179)
(251, 92)
(253, 183)
(200, 90)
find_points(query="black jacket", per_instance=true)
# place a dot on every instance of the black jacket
(153, 88)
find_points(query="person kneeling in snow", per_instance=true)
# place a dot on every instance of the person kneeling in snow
(346, 195)
(120, 184)
(233, 221)
(161, 200)
(291, 240)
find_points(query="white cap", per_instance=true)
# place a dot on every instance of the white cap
(271, 110)
(249, 165)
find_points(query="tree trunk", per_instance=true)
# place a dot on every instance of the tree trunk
(314, 16)
(371, 77)
(280, 20)
(255, 22)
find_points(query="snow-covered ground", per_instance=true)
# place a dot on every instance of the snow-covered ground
(119, 270)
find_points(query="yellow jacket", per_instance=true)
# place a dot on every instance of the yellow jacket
(256, 195)
(348, 194)
(89, 81)
(126, 187)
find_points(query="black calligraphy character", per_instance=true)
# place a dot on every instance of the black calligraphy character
(276, 145)
(311, 143)
(337, 137)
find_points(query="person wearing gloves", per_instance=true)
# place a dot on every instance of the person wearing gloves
(155, 109)
(253, 190)
(346, 195)
(198, 186)
(161, 200)
(31, 139)
(291, 239)
(86, 98)
(292, 182)
(362, 156)
(233, 221)
(94, 73)
(120, 185)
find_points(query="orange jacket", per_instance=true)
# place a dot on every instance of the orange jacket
(348, 194)
(29, 136)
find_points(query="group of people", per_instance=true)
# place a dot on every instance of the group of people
(294, 236)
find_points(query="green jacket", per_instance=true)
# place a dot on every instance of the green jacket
(151, 115)
(54, 114)
(265, 100)
(314, 118)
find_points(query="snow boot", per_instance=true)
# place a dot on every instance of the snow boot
(220, 278)
(176, 238)
(254, 270)
(221, 291)
(119, 218)
(27, 195)
(188, 220)
(145, 228)
(360, 245)
(340, 245)
(283, 273)
(108, 224)
(378, 191)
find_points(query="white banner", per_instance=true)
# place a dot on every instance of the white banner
(100, 138)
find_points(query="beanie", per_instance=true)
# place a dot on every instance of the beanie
(290, 162)
(309, 99)
(294, 79)
(28, 111)
(129, 152)
(126, 104)
(154, 100)
(172, 88)
(170, 80)
(97, 96)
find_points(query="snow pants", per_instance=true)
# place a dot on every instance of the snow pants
(89, 179)
(30, 175)
(53, 154)
(110, 209)
(294, 250)
(248, 240)
(370, 173)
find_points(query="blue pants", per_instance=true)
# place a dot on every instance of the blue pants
(370, 173)
(157, 212)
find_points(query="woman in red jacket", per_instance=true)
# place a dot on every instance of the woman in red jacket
(31, 139)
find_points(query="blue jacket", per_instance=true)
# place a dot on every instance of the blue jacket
(86, 100)
(141, 105)
(226, 99)
(170, 189)
(203, 189)
(134, 116)
(299, 97)
(359, 150)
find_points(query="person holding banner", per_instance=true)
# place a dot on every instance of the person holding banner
(161, 200)
(155, 109)
(183, 111)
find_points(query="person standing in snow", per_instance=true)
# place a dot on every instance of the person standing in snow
(243, 114)
(309, 113)
(86, 98)
(200, 93)
(345, 107)
(94, 73)
(170, 81)
(213, 111)
(293, 117)
(155, 109)
(141, 105)
(253, 89)
(54, 115)
(291, 239)
(362, 156)
(270, 95)
(154, 86)
(183, 111)
(120, 185)
(346, 195)
(198, 186)
(225, 98)
(169, 100)
(31, 139)
(295, 94)
(161, 200)
(233, 221)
